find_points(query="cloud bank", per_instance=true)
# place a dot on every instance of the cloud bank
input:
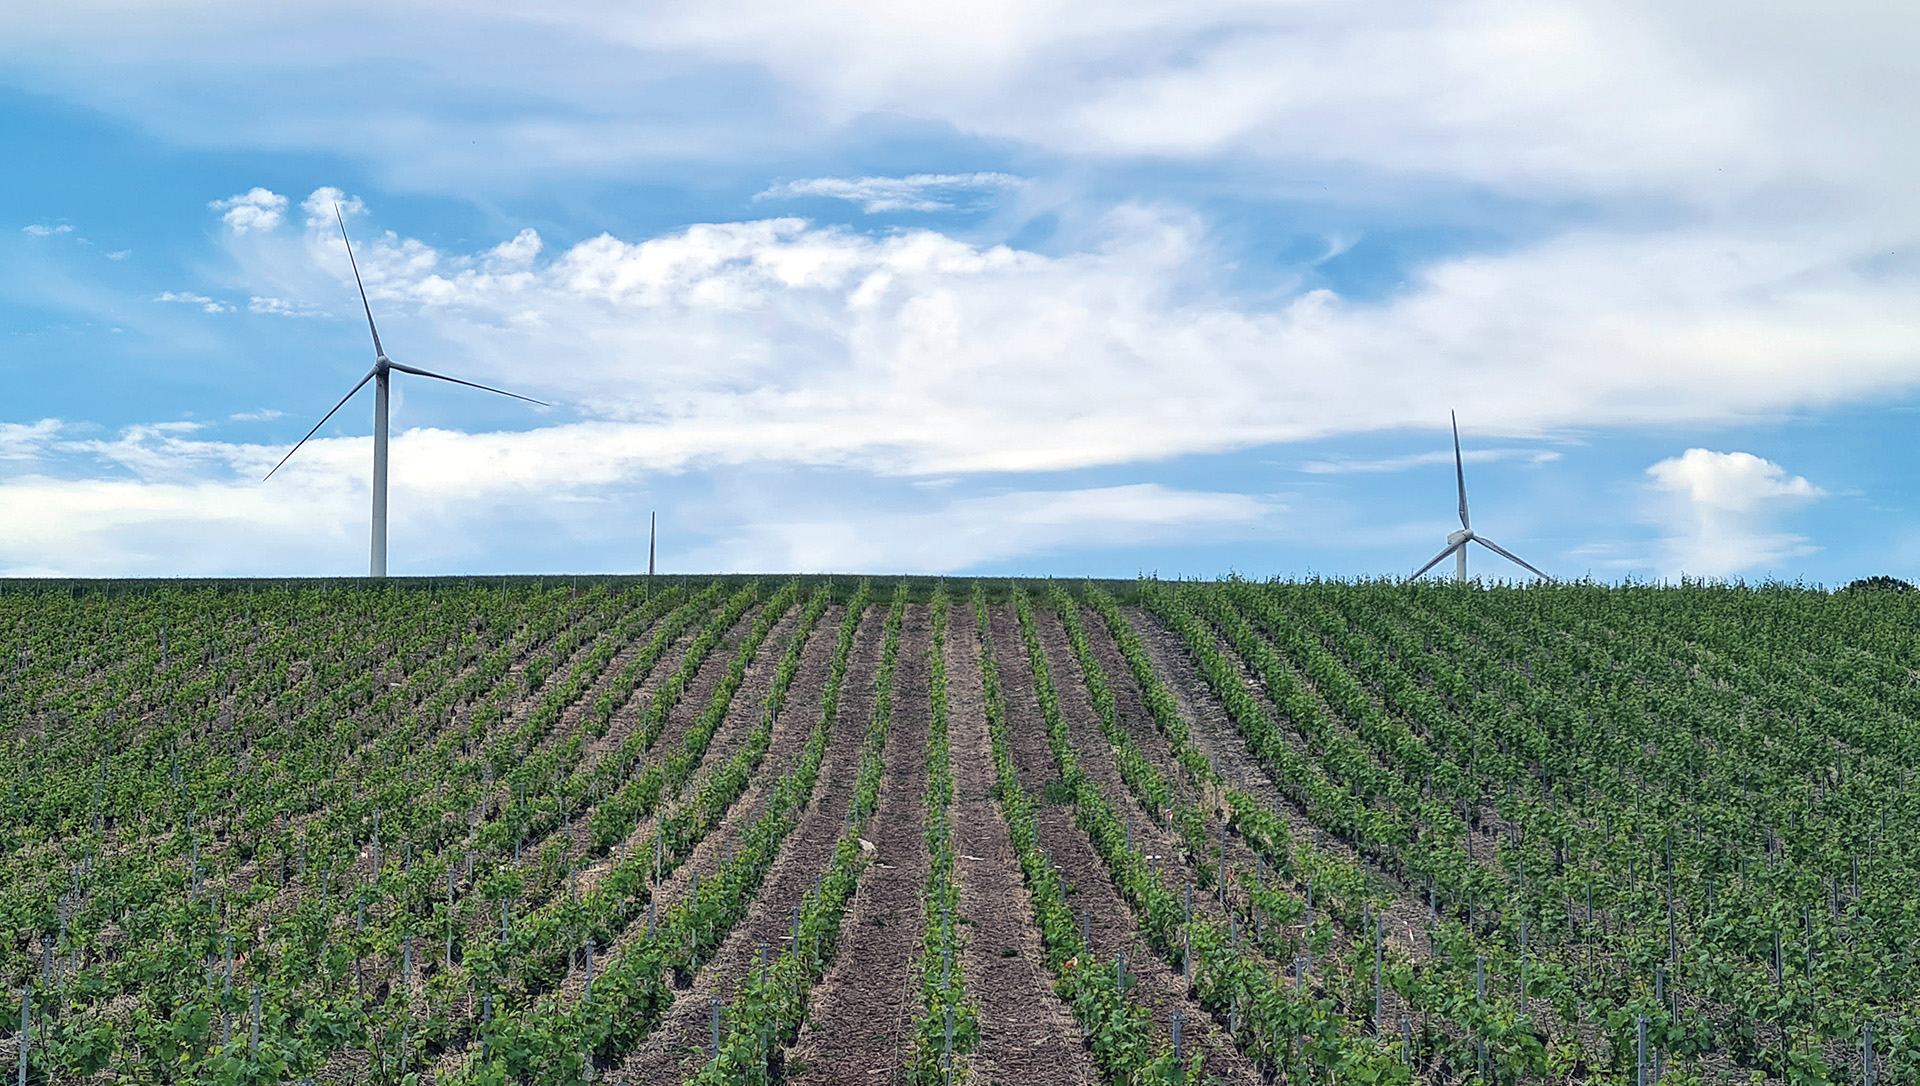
(920, 353)
(1720, 513)
(1704, 215)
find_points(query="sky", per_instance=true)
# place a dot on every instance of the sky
(1047, 287)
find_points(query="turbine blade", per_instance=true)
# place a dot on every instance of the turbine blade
(418, 372)
(1509, 556)
(1437, 559)
(378, 351)
(322, 422)
(1459, 470)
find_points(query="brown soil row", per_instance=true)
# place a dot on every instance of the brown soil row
(789, 736)
(1112, 928)
(626, 717)
(485, 925)
(860, 1028)
(1027, 1035)
(743, 712)
(790, 730)
(1210, 727)
(1178, 868)
(1159, 842)
(693, 700)
(678, 1044)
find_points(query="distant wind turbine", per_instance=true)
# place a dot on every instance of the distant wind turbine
(1457, 541)
(380, 374)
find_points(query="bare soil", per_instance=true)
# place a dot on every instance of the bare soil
(743, 715)
(1027, 1034)
(1159, 986)
(1212, 731)
(860, 1028)
(1160, 842)
(484, 926)
(679, 1044)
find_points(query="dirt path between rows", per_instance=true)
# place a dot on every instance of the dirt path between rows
(860, 1027)
(483, 925)
(679, 719)
(1212, 731)
(1159, 986)
(677, 1046)
(1027, 1035)
(743, 716)
(1160, 842)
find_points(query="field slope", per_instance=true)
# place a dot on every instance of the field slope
(843, 830)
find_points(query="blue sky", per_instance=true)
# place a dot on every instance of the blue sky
(1046, 287)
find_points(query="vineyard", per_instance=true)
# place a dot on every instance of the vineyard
(829, 831)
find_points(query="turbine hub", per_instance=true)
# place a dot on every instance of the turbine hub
(1459, 536)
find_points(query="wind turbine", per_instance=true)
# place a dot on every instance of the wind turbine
(1457, 541)
(381, 375)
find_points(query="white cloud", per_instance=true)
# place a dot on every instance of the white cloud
(1720, 512)
(206, 304)
(1708, 102)
(39, 231)
(119, 527)
(255, 209)
(27, 441)
(1714, 197)
(1416, 460)
(325, 203)
(970, 532)
(120, 254)
(1741, 181)
(920, 353)
(516, 254)
(175, 502)
(280, 307)
(918, 192)
(265, 414)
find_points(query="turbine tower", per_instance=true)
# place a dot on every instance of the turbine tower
(1457, 541)
(381, 375)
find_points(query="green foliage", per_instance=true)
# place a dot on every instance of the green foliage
(1611, 794)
